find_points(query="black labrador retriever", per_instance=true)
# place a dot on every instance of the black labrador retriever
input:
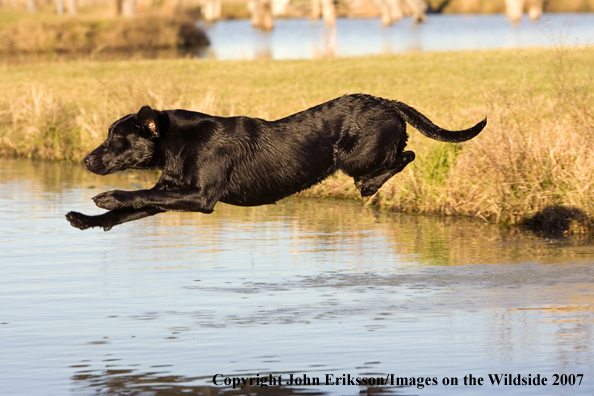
(249, 161)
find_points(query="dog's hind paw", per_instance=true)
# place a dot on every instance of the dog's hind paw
(368, 191)
(358, 182)
(363, 185)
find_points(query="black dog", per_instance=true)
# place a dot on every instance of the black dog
(248, 161)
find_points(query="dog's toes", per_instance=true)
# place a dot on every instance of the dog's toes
(108, 200)
(102, 200)
(78, 220)
(365, 186)
(82, 222)
(368, 191)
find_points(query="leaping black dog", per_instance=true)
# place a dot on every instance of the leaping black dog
(249, 161)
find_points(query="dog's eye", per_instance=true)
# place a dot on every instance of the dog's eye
(117, 136)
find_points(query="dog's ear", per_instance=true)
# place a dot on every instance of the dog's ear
(149, 119)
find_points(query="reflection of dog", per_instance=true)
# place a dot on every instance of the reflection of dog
(248, 161)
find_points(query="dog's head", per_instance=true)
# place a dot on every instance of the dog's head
(130, 144)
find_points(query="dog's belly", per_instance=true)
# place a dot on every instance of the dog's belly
(263, 195)
(261, 191)
(240, 201)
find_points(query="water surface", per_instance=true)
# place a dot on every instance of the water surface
(161, 305)
(305, 39)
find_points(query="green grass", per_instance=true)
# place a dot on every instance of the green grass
(534, 153)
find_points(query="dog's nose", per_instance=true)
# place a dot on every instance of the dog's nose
(87, 160)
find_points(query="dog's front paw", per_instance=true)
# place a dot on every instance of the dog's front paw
(82, 222)
(79, 220)
(110, 200)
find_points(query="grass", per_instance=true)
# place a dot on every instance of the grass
(534, 153)
(47, 33)
(498, 6)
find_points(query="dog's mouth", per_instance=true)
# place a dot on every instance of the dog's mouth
(95, 166)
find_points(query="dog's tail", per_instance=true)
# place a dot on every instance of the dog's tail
(429, 129)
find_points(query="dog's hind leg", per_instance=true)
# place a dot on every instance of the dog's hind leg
(370, 184)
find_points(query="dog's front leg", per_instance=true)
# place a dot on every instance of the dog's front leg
(109, 219)
(118, 199)
(185, 200)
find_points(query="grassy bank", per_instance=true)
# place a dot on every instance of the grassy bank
(498, 6)
(534, 153)
(45, 33)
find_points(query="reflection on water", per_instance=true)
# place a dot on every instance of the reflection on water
(307, 39)
(316, 287)
(304, 39)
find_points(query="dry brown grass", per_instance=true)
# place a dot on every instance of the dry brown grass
(498, 6)
(88, 34)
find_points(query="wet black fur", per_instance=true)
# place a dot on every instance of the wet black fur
(249, 161)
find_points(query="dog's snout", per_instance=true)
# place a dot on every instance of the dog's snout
(95, 164)
(91, 162)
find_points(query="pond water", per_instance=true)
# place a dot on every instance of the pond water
(304, 38)
(304, 287)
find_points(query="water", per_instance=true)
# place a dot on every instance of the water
(304, 39)
(316, 287)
